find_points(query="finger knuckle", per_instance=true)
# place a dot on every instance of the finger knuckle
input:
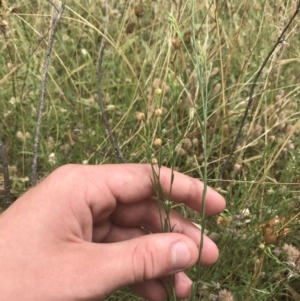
(144, 263)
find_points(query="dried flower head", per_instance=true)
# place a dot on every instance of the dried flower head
(195, 142)
(4, 28)
(224, 221)
(12, 169)
(66, 148)
(225, 295)
(187, 143)
(272, 138)
(15, 9)
(50, 143)
(52, 159)
(212, 297)
(292, 255)
(180, 151)
(23, 136)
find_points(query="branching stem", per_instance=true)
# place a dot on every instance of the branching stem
(99, 92)
(43, 89)
(251, 93)
(7, 199)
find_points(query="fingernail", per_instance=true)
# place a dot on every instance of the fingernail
(181, 256)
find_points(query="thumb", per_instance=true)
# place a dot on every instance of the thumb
(138, 260)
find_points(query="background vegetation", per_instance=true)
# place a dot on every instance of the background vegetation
(175, 83)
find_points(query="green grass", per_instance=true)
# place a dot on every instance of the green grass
(201, 91)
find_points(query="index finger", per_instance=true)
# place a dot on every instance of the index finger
(132, 182)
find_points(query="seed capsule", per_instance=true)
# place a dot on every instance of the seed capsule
(158, 112)
(130, 27)
(139, 10)
(176, 43)
(140, 116)
(157, 142)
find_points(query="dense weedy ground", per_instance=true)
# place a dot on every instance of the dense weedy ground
(160, 87)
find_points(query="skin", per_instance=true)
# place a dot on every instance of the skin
(80, 235)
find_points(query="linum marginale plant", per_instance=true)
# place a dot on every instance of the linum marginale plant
(201, 72)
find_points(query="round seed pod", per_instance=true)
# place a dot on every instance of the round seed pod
(154, 161)
(272, 138)
(130, 27)
(237, 167)
(177, 44)
(158, 112)
(180, 151)
(157, 142)
(187, 143)
(140, 116)
(158, 91)
(139, 10)
(187, 37)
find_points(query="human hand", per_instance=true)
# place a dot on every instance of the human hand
(78, 235)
